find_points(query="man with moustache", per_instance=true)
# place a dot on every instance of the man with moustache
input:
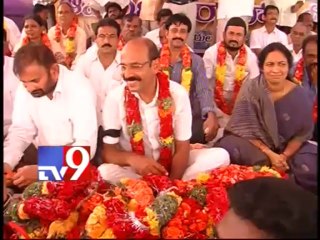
(147, 123)
(222, 62)
(100, 64)
(53, 107)
(308, 66)
(269, 33)
(132, 28)
(186, 68)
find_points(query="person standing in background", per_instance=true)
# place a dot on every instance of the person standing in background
(13, 33)
(287, 12)
(148, 14)
(232, 8)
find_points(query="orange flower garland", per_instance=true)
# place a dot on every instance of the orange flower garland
(298, 78)
(44, 40)
(220, 74)
(165, 111)
(120, 43)
(186, 75)
(70, 45)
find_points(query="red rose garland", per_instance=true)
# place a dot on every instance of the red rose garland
(165, 110)
(298, 78)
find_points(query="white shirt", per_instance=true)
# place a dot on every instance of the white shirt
(80, 39)
(210, 63)
(114, 117)
(286, 17)
(259, 38)
(296, 56)
(154, 36)
(102, 80)
(13, 32)
(234, 8)
(68, 119)
(10, 85)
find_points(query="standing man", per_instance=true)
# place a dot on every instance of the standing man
(232, 8)
(53, 107)
(13, 33)
(287, 12)
(187, 69)
(100, 65)
(269, 33)
(148, 13)
(228, 64)
(68, 40)
(147, 123)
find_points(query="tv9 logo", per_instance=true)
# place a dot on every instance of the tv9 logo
(65, 163)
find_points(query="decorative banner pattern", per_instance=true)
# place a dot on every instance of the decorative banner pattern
(81, 8)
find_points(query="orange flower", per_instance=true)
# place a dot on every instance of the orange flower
(173, 233)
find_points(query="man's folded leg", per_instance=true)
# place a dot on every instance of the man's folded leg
(114, 173)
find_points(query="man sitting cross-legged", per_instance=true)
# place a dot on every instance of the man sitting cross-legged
(147, 123)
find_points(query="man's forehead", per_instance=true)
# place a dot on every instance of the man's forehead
(178, 25)
(235, 29)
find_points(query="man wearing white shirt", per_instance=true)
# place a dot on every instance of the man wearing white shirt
(54, 106)
(287, 12)
(12, 31)
(147, 123)
(100, 64)
(233, 45)
(232, 8)
(298, 34)
(154, 35)
(269, 33)
(10, 85)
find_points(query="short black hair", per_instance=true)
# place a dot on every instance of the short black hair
(270, 7)
(39, 8)
(164, 12)
(302, 15)
(35, 18)
(307, 40)
(236, 21)
(107, 22)
(272, 47)
(112, 4)
(178, 18)
(279, 207)
(33, 53)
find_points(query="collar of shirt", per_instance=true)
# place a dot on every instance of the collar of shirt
(62, 75)
(93, 55)
(265, 30)
(154, 100)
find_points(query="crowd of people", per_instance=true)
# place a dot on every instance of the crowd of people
(244, 102)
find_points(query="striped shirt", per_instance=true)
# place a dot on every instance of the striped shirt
(201, 94)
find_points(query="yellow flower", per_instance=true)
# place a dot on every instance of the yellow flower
(44, 189)
(152, 221)
(186, 79)
(132, 205)
(95, 225)
(240, 73)
(108, 234)
(22, 215)
(202, 178)
(62, 227)
(166, 141)
(138, 136)
(70, 46)
(221, 73)
(178, 198)
(270, 170)
(166, 72)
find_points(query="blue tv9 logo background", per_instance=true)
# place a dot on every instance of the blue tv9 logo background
(63, 163)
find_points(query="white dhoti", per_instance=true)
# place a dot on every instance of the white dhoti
(200, 160)
(223, 120)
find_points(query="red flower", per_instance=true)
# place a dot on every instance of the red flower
(158, 183)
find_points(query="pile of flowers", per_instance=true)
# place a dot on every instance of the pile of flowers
(151, 207)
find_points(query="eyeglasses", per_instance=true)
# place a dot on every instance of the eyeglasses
(132, 66)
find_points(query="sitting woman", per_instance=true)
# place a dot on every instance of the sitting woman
(271, 122)
(35, 32)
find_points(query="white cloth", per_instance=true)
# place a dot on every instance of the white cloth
(102, 80)
(59, 47)
(286, 17)
(10, 85)
(296, 56)
(154, 36)
(210, 63)
(13, 32)
(233, 8)
(200, 161)
(260, 38)
(68, 119)
(190, 10)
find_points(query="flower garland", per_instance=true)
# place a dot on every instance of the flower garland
(44, 40)
(165, 111)
(121, 43)
(298, 78)
(185, 54)
(70, 44)
(220, 74)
